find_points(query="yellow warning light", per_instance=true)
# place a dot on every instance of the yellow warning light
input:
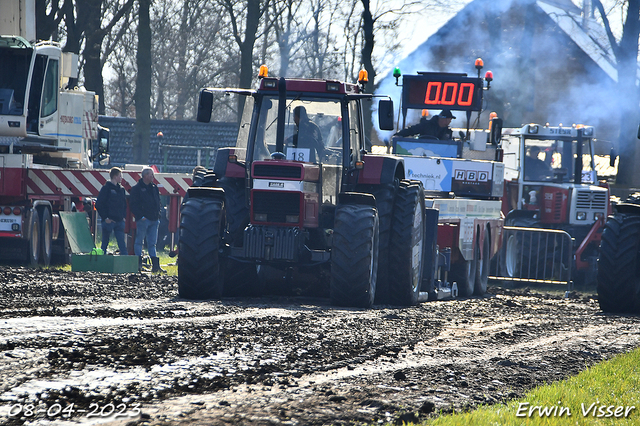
(264, 71)
(479, 63)
(363, 76)
(425, 112)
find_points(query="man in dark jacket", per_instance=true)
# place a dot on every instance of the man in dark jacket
(437, 126)
(112, 207)
(145, 206)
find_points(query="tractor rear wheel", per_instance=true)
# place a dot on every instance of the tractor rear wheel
(385, 197)
(199, 269)
(619, 265)
(354, 256)
(406, 244)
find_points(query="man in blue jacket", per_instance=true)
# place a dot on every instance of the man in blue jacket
(145, 206)
(112, 207)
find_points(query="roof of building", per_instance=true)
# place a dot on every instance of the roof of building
(174, 144)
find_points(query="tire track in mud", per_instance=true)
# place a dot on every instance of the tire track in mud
(128, 340)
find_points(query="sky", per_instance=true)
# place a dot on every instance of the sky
(417, 28)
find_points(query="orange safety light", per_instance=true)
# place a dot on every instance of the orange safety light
(491, 117)
(363, 76)
(425, 112)
(488, 76)
(479, 63)
(264, 71)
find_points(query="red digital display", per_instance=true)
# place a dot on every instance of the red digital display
(441, 90)
(451, 93)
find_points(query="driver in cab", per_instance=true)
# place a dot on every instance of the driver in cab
(534, 167)
(435, 127)
(307, 135)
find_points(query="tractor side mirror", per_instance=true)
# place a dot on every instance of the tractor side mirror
(385, 114)
(613, 154)
(638, 132)
(205, 105)
(496, 131)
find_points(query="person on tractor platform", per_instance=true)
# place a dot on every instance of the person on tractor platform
(307, 135)
(435, 127)
(145, 206)
(112, 208)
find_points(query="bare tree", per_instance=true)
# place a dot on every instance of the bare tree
(141, 136)
(84, 24)
(626, 53)
(49, 14)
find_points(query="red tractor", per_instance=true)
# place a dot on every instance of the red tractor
(299, 193)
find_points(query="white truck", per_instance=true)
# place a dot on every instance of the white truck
(47, 129)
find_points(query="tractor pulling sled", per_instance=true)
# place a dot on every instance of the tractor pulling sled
(299, 193)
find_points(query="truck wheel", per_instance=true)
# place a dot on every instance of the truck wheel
(354, 256)
(619, 265)
(482, 273)
(33, 245)
(199, 274)
(464, 273)
(406, 244)
(46, 234)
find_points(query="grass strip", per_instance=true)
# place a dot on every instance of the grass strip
(607, 393)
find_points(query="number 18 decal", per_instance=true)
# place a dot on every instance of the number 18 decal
(450, 93)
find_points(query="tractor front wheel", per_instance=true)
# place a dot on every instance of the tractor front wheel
(199, 269)
(619, 265)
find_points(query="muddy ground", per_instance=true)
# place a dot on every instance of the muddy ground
(75, 347)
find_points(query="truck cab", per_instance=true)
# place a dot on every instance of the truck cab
(41, 111)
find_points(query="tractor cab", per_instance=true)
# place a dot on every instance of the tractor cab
(552, 169)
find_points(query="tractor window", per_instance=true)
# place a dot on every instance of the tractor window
(554, 160)
(354, 131)
(50, 89)
(245, 123)
(311, 130)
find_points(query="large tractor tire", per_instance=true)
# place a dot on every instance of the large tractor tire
(240, 279)
(354, 256)
(406, 244)
(619, 265)
(385, 197)
(46, 234)
(199, 270)
(483, 264)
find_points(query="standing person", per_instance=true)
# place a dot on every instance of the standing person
(145, 206)
(437, 126)
(112, 207)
